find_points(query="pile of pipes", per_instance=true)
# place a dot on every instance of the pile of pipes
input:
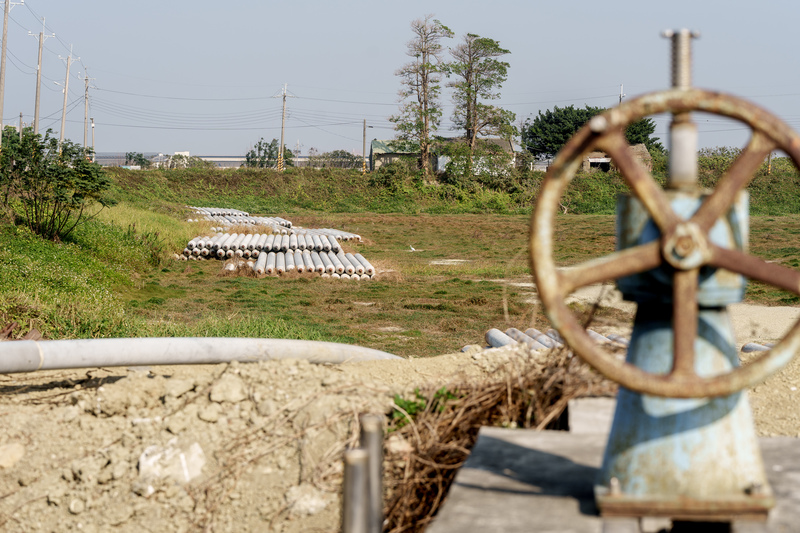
(551, 339)
(539, 341)
(277, 254)
(233, 217)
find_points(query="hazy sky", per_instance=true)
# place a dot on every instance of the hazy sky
(203, 76)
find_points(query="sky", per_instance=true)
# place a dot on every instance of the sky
(207, 77)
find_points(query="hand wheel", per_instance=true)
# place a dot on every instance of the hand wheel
(684, 244)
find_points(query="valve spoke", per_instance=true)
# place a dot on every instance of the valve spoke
(755, 268)
(643, 185)
(735, 179)
(684, 321)
(613, 266)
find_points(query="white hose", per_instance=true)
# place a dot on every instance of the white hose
(30, 356)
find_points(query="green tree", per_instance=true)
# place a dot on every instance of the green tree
(421, 112)
(137, 158)
(54, 187)
(479, 74)
(335, 159)
(182, 161)
(265, 155)
(545, 135)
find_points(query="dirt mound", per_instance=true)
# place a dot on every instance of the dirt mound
(239, 447)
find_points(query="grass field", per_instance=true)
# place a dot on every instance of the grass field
(465, 275)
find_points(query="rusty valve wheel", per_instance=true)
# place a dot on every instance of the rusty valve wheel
(684, 244)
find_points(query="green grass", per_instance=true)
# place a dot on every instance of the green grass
(114, 277)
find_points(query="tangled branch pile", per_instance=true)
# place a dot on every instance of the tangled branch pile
(425, 448)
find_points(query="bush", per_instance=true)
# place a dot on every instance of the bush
(51, 186)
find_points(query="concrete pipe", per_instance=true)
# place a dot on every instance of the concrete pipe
(271, 260)
(288, 258)
(299, 264)
(237, 244)
(318, 265)
(280, 263)
(496, 338)
(284, 243)
(365, 277)
(336, 263)
(540, 337)
(356, 264)
(348, 268)
(307, 261)
(519, 336)
(261, 263)
(293, 242)
(309, 242)
(329, 268)
(335, 247)
(317, 243)
(226, 244)
(368, 268)
(269, 244)
(246, 242)
(301, 242)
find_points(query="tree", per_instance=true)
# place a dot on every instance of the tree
(479, 75)
(182, 161)
(265, 155)
(53, 185)
(137, 158)
(545, 135)
(421, 112)
(334, 159)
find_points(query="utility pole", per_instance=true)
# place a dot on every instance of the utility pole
(93, 156)
(66, 92)
(283, 124)
(364, 149)
(86, 111)
(42, 37)
(621, 94)
(6, 9)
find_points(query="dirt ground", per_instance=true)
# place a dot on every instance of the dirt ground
(239, 447)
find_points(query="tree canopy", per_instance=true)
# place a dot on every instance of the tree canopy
(265, 155)
(478, 75)
(546, 134)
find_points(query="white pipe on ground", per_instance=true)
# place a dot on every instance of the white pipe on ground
(356, 264)
(317, 243)
(348, 268)
(329, 268)
(271, 260)
(30, 356)
(293, 242)
(288, 258)
(269, 243)
(280, 263)
(299, 264)
(261, 264)
(336, 263)
(334, 243)
(317, 260)
(368, 268)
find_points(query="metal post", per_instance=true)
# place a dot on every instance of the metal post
(354, 494)
(42, 38)
(283, 123)
(683, 132)
(372, 441)
(3, 64)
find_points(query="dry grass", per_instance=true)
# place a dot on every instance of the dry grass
(530, 393)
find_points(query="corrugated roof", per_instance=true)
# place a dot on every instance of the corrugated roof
(385, 147)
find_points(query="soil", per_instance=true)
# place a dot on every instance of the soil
(238, 447)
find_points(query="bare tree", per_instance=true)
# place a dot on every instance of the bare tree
(420, 110)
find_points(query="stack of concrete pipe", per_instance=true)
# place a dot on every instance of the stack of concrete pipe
(277, 254)
(538, 340)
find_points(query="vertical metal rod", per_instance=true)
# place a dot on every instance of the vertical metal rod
(683, 132)
(354, 493)
(372, 441)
